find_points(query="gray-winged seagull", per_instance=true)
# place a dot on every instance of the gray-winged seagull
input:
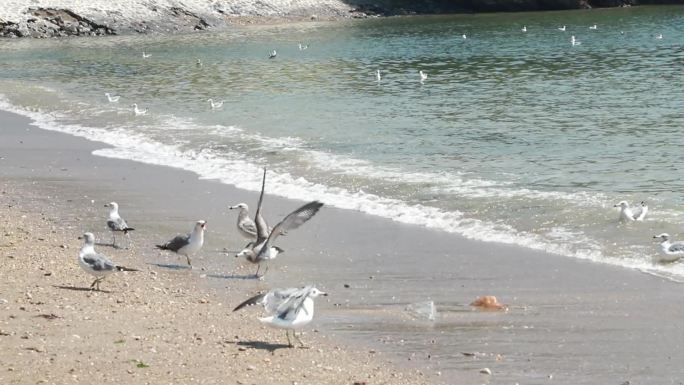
(673, 251)
(117, 224)
(96, 264)
(627, 214)
(288, 309)
(187, 244)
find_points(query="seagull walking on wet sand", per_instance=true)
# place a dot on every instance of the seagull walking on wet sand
(96, 264)
(288, 309)
(117, 224)
(112, 98)
(215, 105)
(627, 214)
(423, 76)
(187, 244)
(263, 249)
(137, 111)
(672, 251)
(273, 54)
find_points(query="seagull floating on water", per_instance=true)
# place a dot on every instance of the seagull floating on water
(288, 309)
(117, 224)
(187, 244)
(198, 62)
(423, 76)
(659, 36)
(464, 36)
(146, 55)
(628, 214)
(673, 251)
(378, 77)
(263, 249)
(574, 41)
(302, 47)
(215, 105)
(561, 28)
(111, 98)
(524, 28)
(137, 111)
(593, 26)
(96, 264)
(273, 54)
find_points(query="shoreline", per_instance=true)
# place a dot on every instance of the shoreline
(162, 323)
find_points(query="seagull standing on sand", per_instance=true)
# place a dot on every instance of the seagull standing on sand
(273, 54)
(146, 55)
(629, 215)
(96, 264)
(187, 244)
(245, 224)
(215, 105)
(423, 76)
(288, 309)
(264, 250)
(561, 28)
(137, 111)
(111, 98)
(116, 223)
(673, 251)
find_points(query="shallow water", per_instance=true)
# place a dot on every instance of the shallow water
(515, 137)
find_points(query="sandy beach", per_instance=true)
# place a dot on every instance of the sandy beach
(162, 324)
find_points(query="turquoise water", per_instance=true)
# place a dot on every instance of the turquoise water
(514, 137)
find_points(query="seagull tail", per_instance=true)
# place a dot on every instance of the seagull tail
(252, 301)
(124, 268)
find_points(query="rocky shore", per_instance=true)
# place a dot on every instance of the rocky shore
(58, 18)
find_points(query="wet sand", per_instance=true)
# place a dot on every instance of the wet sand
(569, 322)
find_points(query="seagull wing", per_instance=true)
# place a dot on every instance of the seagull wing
(117, 224)
(248, 226)
(289, 308)
(676, 247)
(98, 262)
(638, 213)
(261, 225)
(292, 221)
(176, 243)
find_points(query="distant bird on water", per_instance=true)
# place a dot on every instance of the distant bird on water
(215, 105)
(423, 76)
(561, 28)
(96, 264)
(378, 77)
(198, 62)
(593, 26)
(574, 41)
(464, 36)
(524, 28)
(188, 244)
(146, 55)
(273, 54)
(137, 111)
(302, 47)
(627, 214)
(112, 98)
(659, 36)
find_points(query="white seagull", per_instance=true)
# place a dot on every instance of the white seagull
(96, 264)
(464, 36)
(423, 76)
(288, 309)
(146, 55)
(263, 249)
(574, 41)
(198, 62)
(273, 54)
(245, 224)
(137, 111)
(673, 251)
(561, 28)
(111, 98)
(117, 224)
(629, 215)
(659, 36)
(215, 105)
(593, 26)
(524, 28)
(187, 244)
(302, 47)
(378, 77)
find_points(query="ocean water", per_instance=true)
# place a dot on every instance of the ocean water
(515, 137)
(518, 138)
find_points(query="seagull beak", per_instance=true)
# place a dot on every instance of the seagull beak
(616, 205)
(107, 205)
(80, 237)
(324, 294)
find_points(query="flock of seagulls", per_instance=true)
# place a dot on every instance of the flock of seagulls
(288, 309)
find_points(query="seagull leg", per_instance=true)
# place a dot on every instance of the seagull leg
(294, 334)
(130, 242)
(113, 239)
(189, 261)
(92, 285)
(256, 275)
(289, 343)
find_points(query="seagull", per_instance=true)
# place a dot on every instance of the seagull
(96, 264)
(245, 224)
(263, 249)
(198, 62)
(288, 309)
(574, 41)
(593, 26)
(524, 28)
(137, 111)
(659, 36)
(423, 76)
(116, 223)
(272, 55)
(464, 36)
(561, 28)
(215, 105)
(377, 75)
(187, 244)
(112, 99)
(629, 215)
(146, 55)
(673, 250)
(302, 47)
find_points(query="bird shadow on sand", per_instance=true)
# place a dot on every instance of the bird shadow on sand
(261, 345)
(76, 288)
(172, 266)
(234, 276)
